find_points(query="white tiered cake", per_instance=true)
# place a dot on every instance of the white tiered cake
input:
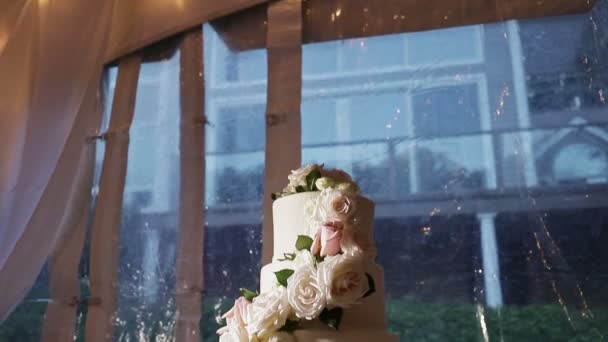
(323, 284)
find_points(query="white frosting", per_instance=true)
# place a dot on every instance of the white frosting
(362, 322)
(292, 217)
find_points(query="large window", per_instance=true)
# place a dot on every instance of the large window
(484, 148)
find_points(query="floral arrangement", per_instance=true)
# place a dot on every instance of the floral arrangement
(315, 177)
(325, 274)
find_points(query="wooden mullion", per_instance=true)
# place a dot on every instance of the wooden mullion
(284, 97)
(105, 234)
(327, 20)
(192, 189)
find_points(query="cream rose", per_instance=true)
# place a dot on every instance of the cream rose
(335, 205)
(344, 279)
(324, 183)
(238, 311)
(268, 313)
(233, 332)
(348, 187)
(304, 293)
(281, 336)
(360, 246)
(303, 258)
(298, 177)
(236, 319)
(338, 176)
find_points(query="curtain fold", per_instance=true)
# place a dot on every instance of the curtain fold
(283, 123)
(105, 232)
(46, 66)
(10, 16)
(62, 205)
(15, 91)
(49, 93)
(139, 23)
(64, 283)
(192, 189)
(43, 96)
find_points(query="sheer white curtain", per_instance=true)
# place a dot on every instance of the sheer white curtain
(46, 74)
(51, 52)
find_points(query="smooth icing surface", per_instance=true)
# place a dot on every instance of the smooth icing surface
(290, 217)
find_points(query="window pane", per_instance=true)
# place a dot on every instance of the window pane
(234, 178)
(565, 79)
(377, 116)
(451, 164)
(458, 45)
(371, 53)
(322, 125)
(240, 128)
(320, 59)
(229, 66)
(149, 226)
(446, 110)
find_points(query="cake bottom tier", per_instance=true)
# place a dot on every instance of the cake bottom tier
(344, 336)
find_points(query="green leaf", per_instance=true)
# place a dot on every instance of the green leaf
(372, 286)
(311, 178)
(248, 294)
(290, 326)
(288, 256)
(300, 188)
(303, 242)
(331, 317)
(283, 275)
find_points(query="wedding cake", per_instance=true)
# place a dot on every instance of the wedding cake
(323, 284)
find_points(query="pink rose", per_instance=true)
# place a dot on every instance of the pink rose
(329, 239)
(315, 249)
(238, 314)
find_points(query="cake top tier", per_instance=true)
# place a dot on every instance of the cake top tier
(325, 206)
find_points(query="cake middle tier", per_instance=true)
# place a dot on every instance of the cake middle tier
(292, 216)
(369, 313)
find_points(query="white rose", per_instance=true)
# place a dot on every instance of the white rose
(281, 336)
(344, 280)
(348, 187)
(298, 177)
(338, 176)
(361, 246)
(305, 295)
(334, 205)
(268, 313)
(324, 183)
(301, 259)
(233, 332)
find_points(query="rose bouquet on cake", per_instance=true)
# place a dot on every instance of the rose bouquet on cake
(325, 273)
